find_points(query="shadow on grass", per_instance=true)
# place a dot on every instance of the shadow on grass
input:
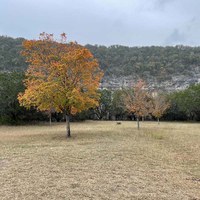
(86, 136)
(61, 136)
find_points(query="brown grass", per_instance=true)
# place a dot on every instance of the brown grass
(102, 160)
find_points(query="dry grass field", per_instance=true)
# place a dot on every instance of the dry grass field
(102, 160)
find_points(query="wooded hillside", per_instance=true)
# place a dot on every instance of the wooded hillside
(159, 62)
(10, 58)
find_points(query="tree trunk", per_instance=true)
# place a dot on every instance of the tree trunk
(138, 123)
(50, 118)
(68, 127)
(158, 121)
(107, 115)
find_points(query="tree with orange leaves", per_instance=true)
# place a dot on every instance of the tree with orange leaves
(61, 76)
(138, 101)
(160, 105)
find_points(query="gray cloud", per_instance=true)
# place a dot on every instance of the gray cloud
(107, 22)
(161, 3)
(176, 37)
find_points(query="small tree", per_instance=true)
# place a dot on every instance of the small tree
(138, 101)
(63, 77)
(160, 105)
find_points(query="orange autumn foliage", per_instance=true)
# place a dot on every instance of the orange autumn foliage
(138, 101)
(160, 105)
(61, 76)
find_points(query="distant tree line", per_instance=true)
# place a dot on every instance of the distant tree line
(11, 83)
(184, 105)
(160, 62)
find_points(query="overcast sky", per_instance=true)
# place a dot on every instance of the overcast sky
(105, 22)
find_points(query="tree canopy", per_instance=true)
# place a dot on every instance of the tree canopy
(138, 101)
(61, 76)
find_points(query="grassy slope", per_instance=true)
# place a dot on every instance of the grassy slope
(102, 160)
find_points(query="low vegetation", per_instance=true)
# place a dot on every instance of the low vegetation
(102, 160)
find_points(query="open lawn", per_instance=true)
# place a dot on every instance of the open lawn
(102, 160)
